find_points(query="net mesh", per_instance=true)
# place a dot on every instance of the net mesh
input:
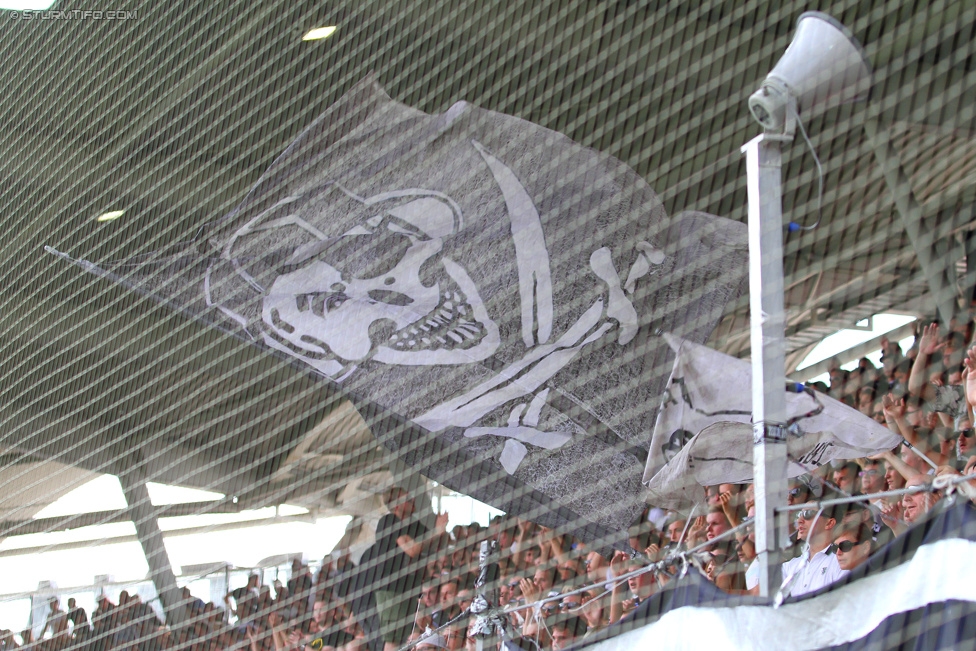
(430, 256)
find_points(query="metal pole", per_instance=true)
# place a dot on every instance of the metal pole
(940, 272)
(767, 331)
(144, 517)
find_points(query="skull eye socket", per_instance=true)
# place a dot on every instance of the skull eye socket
(333, 301)
(366, 256)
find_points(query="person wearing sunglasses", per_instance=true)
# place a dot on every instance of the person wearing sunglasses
(819, 568)
(853, 545)
(798, 493)
(966, 440)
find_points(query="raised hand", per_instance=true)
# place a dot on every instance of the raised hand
(294, 637)
(652, 551)
(697, 529)
(969, 376)
(893, 409)
(440, 522)
(929, 344)
(891, 516)
(730, 511)
(618, 564)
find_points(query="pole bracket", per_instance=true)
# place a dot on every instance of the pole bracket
(769, 433)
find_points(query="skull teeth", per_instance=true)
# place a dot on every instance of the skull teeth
(450, 326)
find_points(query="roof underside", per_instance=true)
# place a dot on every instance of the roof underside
(174, 114)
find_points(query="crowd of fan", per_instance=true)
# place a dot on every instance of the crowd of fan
(414, 585)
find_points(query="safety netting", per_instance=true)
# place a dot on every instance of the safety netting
(342, 266)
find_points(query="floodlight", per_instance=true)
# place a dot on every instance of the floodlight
(319, 33)
(110, 216)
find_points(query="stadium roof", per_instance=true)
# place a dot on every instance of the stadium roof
(173, 113)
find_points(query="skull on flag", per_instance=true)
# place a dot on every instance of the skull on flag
(360, 296)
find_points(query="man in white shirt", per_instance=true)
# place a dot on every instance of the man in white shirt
(809, 573)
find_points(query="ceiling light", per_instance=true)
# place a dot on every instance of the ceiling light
(109, 216)
(319, 33)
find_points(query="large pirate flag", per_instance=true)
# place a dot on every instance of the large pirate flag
(484, 290)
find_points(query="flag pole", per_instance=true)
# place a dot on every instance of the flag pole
(767, 333)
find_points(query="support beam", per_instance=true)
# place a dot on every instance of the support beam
(767, 329)
(794, 357)
(173, 533)
(932, 253)
(77, 521)
(145, 518)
